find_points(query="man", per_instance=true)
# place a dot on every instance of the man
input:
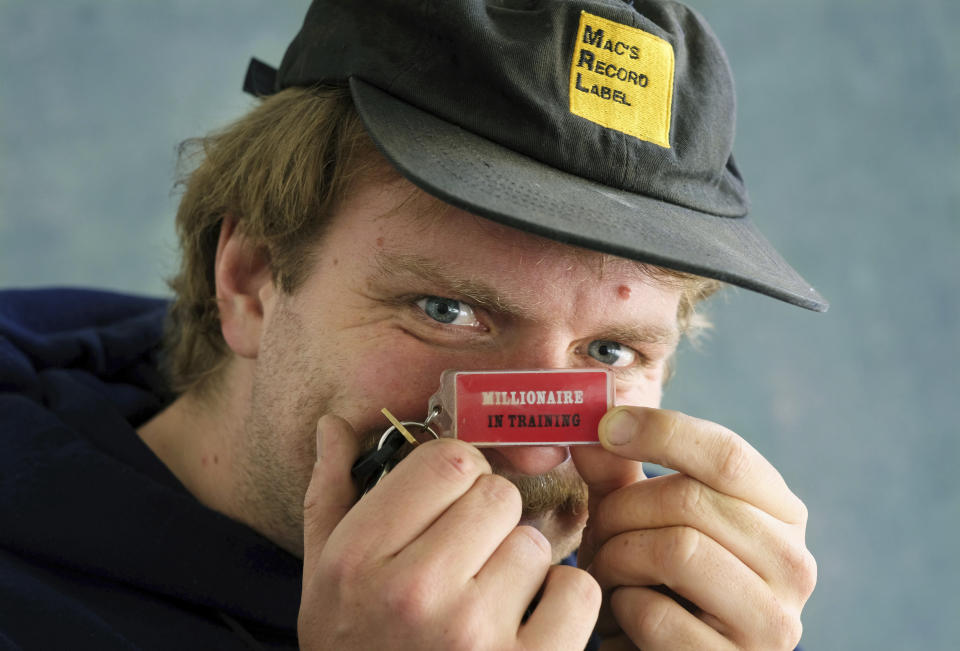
(459, 186)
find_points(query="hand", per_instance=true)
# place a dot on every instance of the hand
(431, 558)
(712, 557)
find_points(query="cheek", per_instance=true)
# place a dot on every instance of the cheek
(648, 395)
(402, 379)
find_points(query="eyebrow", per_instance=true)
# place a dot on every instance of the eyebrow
(391, 265)
(647, 334)
(479, 293)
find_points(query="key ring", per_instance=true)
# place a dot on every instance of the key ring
(401, 427)
(430, 418)
(375, 464)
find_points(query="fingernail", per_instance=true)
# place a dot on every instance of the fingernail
(620, 426)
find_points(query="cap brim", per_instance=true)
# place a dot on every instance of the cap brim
(487, 179)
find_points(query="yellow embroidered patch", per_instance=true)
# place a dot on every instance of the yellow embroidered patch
(621, 77)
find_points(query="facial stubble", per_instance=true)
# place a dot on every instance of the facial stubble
(288, 396)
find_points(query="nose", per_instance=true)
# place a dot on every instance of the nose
(531, 349)
(526, 459)
(538, 349)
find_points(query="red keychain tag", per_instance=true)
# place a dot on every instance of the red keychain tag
(529, 407)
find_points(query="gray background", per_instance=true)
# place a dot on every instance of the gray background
(850, 142)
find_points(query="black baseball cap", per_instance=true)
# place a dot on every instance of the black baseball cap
(605, 124)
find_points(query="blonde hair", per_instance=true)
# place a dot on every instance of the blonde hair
(281, 171)
(694, 290)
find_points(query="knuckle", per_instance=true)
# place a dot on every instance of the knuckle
(649, 621)
(410, 600)
(678, 547)
(499, 491)
(313, 509)
(467, 626)
(535, 542)
(347, 568)
(463, 640)
(686, 497)
(800, 567)
(579, 582)
(605, 558)
(612, 510)
(461, 637)
(311, 499)
(670, 424)
(785, 631)
(454, 461)
(588, 589)
(735, 459)
(805, 571)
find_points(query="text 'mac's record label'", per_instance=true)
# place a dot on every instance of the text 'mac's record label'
(551, 407)
(621, 77)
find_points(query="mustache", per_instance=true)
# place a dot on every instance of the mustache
(560, 490)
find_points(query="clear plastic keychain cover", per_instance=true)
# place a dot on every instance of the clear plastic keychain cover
(527, 407)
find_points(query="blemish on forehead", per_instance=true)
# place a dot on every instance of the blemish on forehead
(379, 242)
(623, 292)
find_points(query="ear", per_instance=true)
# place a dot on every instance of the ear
(245, 289)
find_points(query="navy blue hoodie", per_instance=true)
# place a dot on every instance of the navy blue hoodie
(100, 546)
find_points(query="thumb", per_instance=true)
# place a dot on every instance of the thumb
(331, 492)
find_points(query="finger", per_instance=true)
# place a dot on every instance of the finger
(772, 549)
(704, 450)
(515, 572)
(698, 569)
(655, 621)
(604, 473)
(331, 492)
(413, 495)
(566, 613)
(460, 542)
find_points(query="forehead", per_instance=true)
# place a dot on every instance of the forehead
(400, 228)
(397, 214)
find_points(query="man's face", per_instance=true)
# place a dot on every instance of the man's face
(403, 289)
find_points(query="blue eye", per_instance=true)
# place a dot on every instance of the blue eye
(610, 352)
(447, 310)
